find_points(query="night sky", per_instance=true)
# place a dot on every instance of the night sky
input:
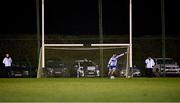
(81, 17)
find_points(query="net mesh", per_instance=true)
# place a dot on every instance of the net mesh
(83, 61)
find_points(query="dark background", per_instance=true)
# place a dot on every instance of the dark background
(81, 17)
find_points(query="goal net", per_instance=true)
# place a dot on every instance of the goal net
(82, 61)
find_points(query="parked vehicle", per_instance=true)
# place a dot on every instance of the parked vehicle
(21, 69)
(86, 68)
(166, 65)
(135, 72)
(55, 67)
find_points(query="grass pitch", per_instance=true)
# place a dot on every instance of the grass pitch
(89, 90)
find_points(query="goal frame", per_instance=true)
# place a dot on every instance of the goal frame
(129, 44)
(86, 47)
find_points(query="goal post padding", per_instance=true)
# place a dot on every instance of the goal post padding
(68, 54)
(40, 70)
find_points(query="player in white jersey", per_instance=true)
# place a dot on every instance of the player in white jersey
(7, 61)
(112, 64)
(149, 66)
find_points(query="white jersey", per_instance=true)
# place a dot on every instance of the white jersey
(7, 61)
(113, 60)
(149, 63)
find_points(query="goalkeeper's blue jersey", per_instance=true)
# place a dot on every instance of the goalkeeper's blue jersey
(113, 61)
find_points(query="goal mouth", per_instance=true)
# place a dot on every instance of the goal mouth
(98, 54)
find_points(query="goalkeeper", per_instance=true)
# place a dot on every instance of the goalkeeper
(112, 64)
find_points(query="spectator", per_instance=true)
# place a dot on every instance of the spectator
(7, 61)
(149, 66)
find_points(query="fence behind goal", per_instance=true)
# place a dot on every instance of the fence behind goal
(82, 61)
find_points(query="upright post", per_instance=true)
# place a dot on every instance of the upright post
(43, 49)
(163, 35)
(101, 36)
(38, 28)
(130, 33)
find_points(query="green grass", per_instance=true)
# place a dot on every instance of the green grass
(90, 90)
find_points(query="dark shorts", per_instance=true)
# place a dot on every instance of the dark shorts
(7, 68)
(149, 72)
(112, 67)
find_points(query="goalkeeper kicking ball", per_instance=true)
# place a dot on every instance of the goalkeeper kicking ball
(112, 77)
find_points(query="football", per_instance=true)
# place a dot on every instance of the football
(112, 77)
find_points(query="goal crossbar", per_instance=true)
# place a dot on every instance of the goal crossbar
(104, 45)
(60, 45)
(75, 45)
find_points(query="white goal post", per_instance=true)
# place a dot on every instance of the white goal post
(129, 44)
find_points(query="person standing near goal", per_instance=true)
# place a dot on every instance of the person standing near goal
(7, 61)
(112, 64)
(149, 66)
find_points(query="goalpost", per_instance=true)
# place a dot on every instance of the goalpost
(128, 46)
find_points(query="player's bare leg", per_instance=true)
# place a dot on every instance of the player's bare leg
(109, 73)
(113, 70)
